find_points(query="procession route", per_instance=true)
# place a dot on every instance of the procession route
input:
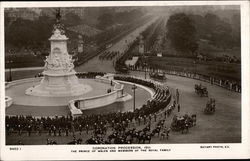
(224, 126)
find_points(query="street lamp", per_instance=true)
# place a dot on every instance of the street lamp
(134, 88)
(145, 64)
(10, 79)
(195, 67)
(145, 69)
(10, 64)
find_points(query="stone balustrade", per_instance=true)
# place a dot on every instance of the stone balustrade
(79, 104)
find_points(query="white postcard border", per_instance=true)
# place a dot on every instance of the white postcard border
(177, 151)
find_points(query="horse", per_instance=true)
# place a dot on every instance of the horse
(156, 130)
(140, 137)
(112, 136)
(161, 123)
(169, 110)
(79, 141)
(147, 137)
(193, 119)
(136, 134)
(146, 129)
(91, 141)
(73, 142)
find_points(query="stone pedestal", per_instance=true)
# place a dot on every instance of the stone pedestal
(59, 75)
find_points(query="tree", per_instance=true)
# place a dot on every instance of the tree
(127, 16)
(18, 34)
(105, 20)
(219, 30)
(27, 33)
(7, 20)
(236, 29)
(200, 26)
(221, 36)
(72, 19)
(182, 33)
(211, 20)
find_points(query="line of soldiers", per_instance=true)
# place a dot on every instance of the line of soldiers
(97, 123)
(107, 55)
(89, 74)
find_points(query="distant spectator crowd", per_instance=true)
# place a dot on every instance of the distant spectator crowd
(224, 58)
(225, 83)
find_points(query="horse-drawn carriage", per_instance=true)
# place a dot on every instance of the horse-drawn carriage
(122, 70)
(201, 90)
(178, 123)
(159, 76)
(210, 106)
(183, 123)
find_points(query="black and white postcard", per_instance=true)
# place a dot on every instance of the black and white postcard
(125, 80)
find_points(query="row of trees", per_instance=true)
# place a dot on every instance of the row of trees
(151, 33)
(110, 18)
(111, 33)
(22, 33)
(220, 32)
(27, 33)
(184, 31)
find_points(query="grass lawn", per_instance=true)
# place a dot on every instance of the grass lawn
(213, 68)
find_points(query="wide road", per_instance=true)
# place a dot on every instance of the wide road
(223, 126)
(97, 65)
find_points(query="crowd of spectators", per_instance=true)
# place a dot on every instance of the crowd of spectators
(225, 83)
(224, 58)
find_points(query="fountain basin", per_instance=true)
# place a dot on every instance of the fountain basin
(50, 106)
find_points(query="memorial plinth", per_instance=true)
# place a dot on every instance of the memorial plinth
(60, 87)
(59, 74)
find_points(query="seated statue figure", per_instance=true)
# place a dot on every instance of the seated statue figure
(56, 60)
(48, 63)
(67, 62)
